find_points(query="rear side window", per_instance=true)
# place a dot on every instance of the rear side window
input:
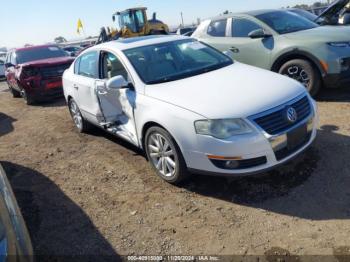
(243, 27)
(88, 65)
(218, 28)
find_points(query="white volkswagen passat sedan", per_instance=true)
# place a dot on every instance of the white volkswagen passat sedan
(190, 107)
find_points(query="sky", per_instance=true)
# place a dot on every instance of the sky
(40, 21)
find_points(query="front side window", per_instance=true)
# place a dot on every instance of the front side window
(243, 27)
(112, 66)
(88, 65)
(218, 28)
(41, 53)
(175, 60)
(1, 62)
(284, 22)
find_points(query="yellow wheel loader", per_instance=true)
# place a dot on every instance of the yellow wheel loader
(133, 22)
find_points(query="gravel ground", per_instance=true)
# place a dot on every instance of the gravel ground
(94, 194)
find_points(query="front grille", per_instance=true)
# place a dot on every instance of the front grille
(276, 122)
(241, 164)
(54, 71)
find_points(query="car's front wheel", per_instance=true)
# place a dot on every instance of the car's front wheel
(304, 72)
(165, 156)
(27, 97)
(81, 124)
(14, 92)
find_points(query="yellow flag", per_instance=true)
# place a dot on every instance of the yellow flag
(80, 26)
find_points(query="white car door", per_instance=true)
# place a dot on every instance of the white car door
(85, 76)
(117, 106)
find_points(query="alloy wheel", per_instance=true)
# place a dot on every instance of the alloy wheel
(162, 155)
(76, 115)
(299, 74)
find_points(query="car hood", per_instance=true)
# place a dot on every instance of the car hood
(334, 9)
(235, 91)
(49, 62)
(322, 33)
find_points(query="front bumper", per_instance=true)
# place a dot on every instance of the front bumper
(337, 80)
(249, 148)
(43, 89)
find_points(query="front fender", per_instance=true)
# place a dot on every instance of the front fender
(179, 122)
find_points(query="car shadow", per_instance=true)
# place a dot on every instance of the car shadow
(313, 186)
(54, 102)
(60, 230)
(6, 124)
(334, 95)
(99, 132)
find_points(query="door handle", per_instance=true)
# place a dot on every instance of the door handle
(234, 49)
(75, 87)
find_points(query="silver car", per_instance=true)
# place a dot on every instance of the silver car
(14, 237)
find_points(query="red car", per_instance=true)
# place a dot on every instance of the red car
(35, 73)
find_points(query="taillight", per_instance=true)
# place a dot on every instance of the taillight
(30, 71)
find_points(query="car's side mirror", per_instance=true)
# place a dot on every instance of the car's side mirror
(229, 53)
(258, 33)
(117, 82)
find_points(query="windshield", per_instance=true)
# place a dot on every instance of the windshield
(34, 54)
(175, 60)
(284, 22)
(304, 13)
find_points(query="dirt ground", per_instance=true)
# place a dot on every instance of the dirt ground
(94, 194)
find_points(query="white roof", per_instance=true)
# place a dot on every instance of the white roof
(129, 43)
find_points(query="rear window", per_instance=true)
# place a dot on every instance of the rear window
(28, 55)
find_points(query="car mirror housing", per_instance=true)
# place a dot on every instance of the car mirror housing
(117, 82)
(229, 53)
(258, 33)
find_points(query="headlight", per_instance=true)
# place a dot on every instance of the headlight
(222, 128)
(339, 44)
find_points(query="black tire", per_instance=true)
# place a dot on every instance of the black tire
(14, 92)
(300, 70)
(84, 126)
(27, 98)
(181, 172)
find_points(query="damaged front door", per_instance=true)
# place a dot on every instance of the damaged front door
(116, 98)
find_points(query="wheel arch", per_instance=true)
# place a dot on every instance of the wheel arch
(297, 54)
(144, 130)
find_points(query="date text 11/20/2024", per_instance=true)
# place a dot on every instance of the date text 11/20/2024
(173, 258)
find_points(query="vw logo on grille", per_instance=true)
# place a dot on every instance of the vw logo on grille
(292, 115)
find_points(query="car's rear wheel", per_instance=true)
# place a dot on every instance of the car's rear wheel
(165, 156)
(304, 72)
(81, 124)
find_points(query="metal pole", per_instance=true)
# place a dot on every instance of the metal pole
(182, 20)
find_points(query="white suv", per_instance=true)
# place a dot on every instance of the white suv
(190, 107)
